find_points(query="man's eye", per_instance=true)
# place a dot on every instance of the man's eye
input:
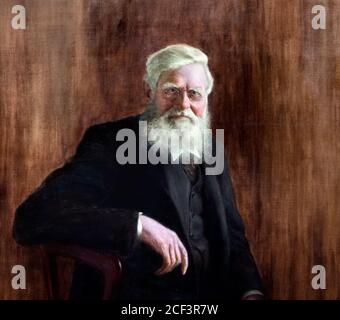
(171, 90)
(195, 94)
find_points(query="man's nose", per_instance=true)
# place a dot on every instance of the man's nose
(184, 102)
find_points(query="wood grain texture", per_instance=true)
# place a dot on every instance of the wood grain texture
(276, 95)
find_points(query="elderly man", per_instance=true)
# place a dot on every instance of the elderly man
(176, 228)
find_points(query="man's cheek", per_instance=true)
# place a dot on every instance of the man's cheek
(163, 106)
(199, 111)
(169, 106)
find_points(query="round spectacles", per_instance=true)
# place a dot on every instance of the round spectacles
(173, 93)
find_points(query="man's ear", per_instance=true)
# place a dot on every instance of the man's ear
(147, 90)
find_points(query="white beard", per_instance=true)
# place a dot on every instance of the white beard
(188, 131)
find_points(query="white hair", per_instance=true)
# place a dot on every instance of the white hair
(173, 57)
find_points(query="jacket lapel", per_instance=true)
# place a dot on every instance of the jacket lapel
(216, 213)
(172, 185)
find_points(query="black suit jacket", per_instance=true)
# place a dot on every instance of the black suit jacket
(93, 201)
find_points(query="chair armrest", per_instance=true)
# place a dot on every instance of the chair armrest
(108, 264)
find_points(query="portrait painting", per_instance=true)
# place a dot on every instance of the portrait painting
(169, 150)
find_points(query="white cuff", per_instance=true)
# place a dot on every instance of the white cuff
(139, 225)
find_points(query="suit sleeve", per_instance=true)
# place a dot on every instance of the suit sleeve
(243, 270)
(72, 205)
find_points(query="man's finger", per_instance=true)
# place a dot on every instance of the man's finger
(160, 271)
(185, 260)
(166, 262)
(173, 255)
(167, 267)
(178, 254)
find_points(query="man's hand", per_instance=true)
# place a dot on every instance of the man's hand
(165, 242)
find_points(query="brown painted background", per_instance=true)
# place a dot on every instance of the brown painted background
(276, 95)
